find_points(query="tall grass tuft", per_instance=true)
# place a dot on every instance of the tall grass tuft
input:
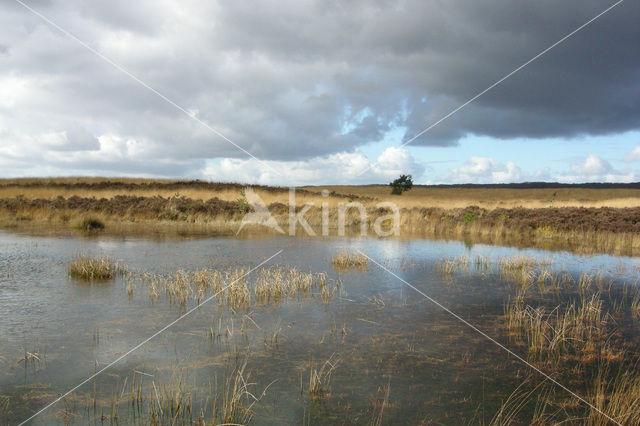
(347, 260)
(93, 269)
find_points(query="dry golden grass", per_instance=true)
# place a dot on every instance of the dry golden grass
(10, 188)
(171, 402)
(446, 197)
(424, 212)
(573, 326)
(490, 198)
(234, 287)
(618, 399)
(88, 268)
(347, 260)
(447, 267)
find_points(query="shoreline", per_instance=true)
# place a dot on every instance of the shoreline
(578, 218)
(581, 230)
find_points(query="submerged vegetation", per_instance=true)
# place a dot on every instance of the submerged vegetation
(235, 287)
(574, 328)
(320, 378)
(286, 343)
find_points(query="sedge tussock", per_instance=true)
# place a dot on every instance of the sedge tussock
(516, 262)
(235, 288)
(347, 260)
(93, 269)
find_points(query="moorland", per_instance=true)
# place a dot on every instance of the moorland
(586, 218)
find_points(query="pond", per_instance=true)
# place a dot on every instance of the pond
(357, 345)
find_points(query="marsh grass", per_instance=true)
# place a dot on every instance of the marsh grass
(581, 341)
(345, 260)
(146, 399)
(320, 378)
(172, 400)
(618, 397)
(234, 288)
(449, 266)
(386, 391)
(505, 216)
(93, 269)
(521, 398)
(615, 395)
(446, 267)
(635, 305)
(575, 326)
(482, 262)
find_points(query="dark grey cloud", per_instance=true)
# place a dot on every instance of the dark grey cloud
(294, 80)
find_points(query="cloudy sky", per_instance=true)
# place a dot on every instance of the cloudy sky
(312, 92)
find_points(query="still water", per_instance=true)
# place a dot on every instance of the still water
(394, 356)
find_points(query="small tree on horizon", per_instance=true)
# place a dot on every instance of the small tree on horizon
(402, 184)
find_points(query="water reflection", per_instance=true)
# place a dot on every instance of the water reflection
(56, 331)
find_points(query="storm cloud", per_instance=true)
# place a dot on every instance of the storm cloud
(301, 80)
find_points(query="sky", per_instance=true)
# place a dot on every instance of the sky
(321, 92)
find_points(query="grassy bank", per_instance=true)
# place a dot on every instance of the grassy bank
(500, 196)
(587, 220)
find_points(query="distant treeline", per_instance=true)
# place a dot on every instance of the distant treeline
(538, 185)
(218, 186)
(150, 184)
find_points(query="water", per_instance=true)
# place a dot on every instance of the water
(378, 333)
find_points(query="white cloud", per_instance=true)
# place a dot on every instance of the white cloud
(485, 170)
(633, 155)
(592, 168)
(296, 82)
(340, 168)
(596, 169)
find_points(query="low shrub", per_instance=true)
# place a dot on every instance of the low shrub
(90, 224)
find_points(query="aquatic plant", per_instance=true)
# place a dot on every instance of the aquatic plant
(235, 288)
(446, 267)
(348, 260)
(573, 325)
(319, 378)
(482, 262)
(93, 269)
(635, 305)
(618, 398)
